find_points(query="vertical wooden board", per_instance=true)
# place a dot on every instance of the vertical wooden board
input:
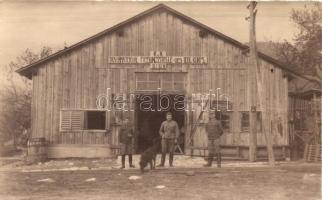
(94, 76)
(84, 137)
(145, 37)
(91, 75)
(140, 38)
(235, 127)
(169, 39)
(34, 106)
(246, 83)
(80, 137)
(82, 77)
(225, 83)
(56, 109)
(195, 78)
(287, 110)
(151, 32)
(284, 109)
(43, 102)
(133, 40)
(214, 63)
(163, 35)
(86, 79)
(131, 78)
(65, 80)
(158, 29)
(78, 78)
(277, 101)
(73, 78)
(59, 94)
(37, 104)
(205, 81)
(49, 100)
(39, 90)
(235, 81)
(177, 26)
(270, 106)
(105, 52)
(52, 104)
(89, 78)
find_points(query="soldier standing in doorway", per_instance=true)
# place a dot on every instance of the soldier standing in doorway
(169, 132)
(214, 131)
(126, 138)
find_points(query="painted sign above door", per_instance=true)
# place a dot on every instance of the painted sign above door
(158, 57)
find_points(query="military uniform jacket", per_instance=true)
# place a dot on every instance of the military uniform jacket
(169, 129)
(126, 135)
(214, 130)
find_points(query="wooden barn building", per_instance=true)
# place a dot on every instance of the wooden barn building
(82, 93)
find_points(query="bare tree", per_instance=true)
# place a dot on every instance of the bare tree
(306, 52)
(15, 97)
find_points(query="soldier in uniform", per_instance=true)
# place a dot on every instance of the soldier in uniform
(214, 131)
(126, 138)
(169, 132)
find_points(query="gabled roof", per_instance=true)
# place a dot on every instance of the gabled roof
(27, 70)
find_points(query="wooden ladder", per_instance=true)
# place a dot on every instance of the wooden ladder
(194, 128)
(313, 153)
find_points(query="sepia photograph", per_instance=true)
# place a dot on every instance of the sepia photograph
(165, 100)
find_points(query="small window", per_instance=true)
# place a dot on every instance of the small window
(244, 121)
(95, 120)
(155, 80)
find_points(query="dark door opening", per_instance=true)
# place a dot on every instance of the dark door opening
(151, 112)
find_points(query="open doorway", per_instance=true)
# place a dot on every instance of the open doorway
(151, 112)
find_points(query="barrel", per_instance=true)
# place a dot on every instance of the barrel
(37, 150)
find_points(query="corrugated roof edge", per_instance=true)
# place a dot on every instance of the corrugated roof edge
(27, 70)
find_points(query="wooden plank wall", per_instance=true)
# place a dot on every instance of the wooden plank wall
(75, 79)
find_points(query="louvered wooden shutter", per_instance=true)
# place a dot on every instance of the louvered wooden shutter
(65, 122)
(76, 120)
(71, 120)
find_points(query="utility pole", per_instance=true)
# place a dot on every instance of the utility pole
(256, 83)
(252, 84)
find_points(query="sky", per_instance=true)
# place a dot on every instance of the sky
(33, 24)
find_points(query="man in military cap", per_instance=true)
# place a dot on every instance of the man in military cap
(126, 138)
(169, 132)
(214, 131)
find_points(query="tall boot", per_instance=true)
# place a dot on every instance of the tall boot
(123, 162)
(219, 160)
(210, 159)
(162, 160)
(130, 161)
(171, 159)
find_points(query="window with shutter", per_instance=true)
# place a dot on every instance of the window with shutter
(65, 120)
(76, 120)
(70, 120)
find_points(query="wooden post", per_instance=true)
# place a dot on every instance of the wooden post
(252, 88)
(260, 91)
(252, 136)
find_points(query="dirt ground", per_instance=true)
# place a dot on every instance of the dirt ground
(287, 181)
